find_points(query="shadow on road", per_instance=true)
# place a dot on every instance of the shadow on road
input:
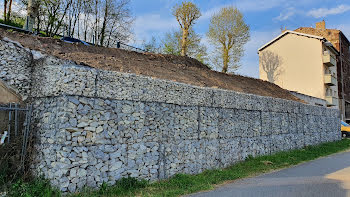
(325, 177)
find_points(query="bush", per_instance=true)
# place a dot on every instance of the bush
(34, 188)
(15, 21)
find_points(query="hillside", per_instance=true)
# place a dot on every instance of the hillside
(180, 69)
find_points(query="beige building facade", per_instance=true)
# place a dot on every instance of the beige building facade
(342, 44)
(301, 63)
(7, 95)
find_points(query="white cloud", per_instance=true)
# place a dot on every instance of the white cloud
(286, 14)
(323, 12)
(244, 6)
(258, 5)
(207, 14)
(150, 25)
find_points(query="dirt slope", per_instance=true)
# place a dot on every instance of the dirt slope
(180, 69)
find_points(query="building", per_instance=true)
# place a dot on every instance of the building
(341, 43)
(7, 95)
(301, 63)
(310, 99)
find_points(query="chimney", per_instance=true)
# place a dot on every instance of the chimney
(283, 30)
(321, 25)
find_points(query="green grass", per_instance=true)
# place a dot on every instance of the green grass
(37, 187)
(185, 184)
(15, 21)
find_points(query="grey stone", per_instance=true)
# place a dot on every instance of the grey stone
(97, 126)
(83, 124)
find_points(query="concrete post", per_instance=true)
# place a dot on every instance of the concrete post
(32, 13)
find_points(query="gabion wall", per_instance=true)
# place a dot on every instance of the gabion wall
(96, 126)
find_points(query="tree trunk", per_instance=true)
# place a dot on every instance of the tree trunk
(32, 13)
(85, 26)
(9, 11)
(96, 22)
(225, 58)
(184, 42)
(76, 17)
(38, 24)
(110, 34)
(5, 10)
(63, 15)
(103, 29)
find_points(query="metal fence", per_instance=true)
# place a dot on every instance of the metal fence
(15, 129)
(119, 45)
(124, 46)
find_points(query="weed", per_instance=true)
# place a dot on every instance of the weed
(182, 184)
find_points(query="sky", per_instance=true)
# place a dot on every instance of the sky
(265, 18)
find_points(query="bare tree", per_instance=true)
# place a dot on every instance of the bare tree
(186, 14)
(152, 45)
(228, 33)
(116, 22)
(54, 13)
(271, 63)
(103, 22)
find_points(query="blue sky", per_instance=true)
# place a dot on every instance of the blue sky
(265, 18)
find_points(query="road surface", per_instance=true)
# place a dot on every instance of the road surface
(325, 177)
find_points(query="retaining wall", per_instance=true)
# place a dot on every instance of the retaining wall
(96, 126)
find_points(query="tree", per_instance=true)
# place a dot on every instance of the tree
(104, 22)
(172, 44)
(32, 14)
(152, 46)
(186, 14)
(54, 12)
(7, 10)
(228, 32)
(271, 64)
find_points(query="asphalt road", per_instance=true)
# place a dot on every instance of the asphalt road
(325, 177)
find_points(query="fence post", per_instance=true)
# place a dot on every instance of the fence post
(26, 134)
(9, 124)
(16, 119)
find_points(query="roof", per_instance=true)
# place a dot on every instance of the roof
(327, 43)
(320, 30)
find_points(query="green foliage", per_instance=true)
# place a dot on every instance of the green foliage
(182, 184)
(15, 21)
(35, 188)
(123, 187)
(152, 46)
(186, 14)
(228, 33)
(172, 45)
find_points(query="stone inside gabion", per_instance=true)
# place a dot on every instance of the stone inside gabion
(94, 126)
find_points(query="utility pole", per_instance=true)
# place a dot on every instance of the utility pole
(32, 13)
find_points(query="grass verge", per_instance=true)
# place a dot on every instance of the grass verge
(15, 21)
(182, 184)
(185, 184)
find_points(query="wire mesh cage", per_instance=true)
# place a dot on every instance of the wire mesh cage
(14, 139)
